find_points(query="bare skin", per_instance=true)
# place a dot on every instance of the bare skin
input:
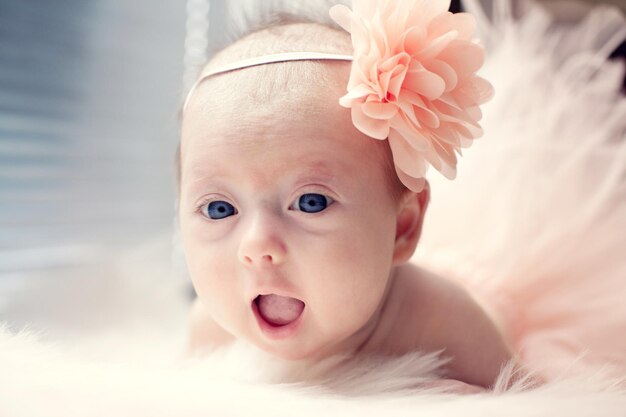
(422, 312)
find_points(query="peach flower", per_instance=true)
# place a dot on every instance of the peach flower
(413, 81)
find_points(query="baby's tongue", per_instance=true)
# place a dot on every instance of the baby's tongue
(278, 310)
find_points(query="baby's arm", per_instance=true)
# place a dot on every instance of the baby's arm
(204, 333)
(456, 323)
(477, 348)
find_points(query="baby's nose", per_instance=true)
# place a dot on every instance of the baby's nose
(262, 244)
(268, 259)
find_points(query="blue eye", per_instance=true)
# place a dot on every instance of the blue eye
(313, 203)
(220, 209)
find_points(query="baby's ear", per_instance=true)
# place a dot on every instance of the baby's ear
(409, 222)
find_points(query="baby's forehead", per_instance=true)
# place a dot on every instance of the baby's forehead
(306, 129)
(271, 132)
(289, 98)
(263, 165)
(243, 139)
(308, 85)
(272, 158)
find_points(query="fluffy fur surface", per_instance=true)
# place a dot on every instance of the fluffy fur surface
(48, 380)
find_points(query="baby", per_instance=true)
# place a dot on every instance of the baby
(298, 224)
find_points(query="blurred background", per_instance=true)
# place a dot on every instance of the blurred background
(89, 95)
(89, 100)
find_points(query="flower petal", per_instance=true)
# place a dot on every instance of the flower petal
(355, 94)
(378, 110)
(450, 100)
(407, 111)
(436, 46)
(445, 71)
(465, 24)
(407, 159)
(448, 134)
(360, 37)
(379, 34)
(477, 89)
(424, 114)
(413, 40)
(449, 113)
(425, 83)
(448, 157)
(342, 15)
(395, 23)
(414, 184)
(405, 127)
(394, 72)
(365, 8)
(377, 129)
(474, 112)
(440, 25)
(396, 63)
(432, 8)
(465, 57)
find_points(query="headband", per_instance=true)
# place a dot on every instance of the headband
(265, 59)
(412, 82)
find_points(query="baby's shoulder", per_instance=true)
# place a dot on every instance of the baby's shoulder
(434, 298)
(423, 289)
(443, 315)
(417, 298)
(422, 306)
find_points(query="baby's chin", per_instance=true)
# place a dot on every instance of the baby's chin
(289, 354)
(306, 347)
(298, 353)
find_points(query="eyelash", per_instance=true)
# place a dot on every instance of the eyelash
(204, 202)
(209, 200)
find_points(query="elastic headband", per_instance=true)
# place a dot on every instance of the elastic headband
(265, 59)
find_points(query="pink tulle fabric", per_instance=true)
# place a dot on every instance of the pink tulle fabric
(413, 81)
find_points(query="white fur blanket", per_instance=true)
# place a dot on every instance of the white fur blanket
(544, 253)
(48, 380)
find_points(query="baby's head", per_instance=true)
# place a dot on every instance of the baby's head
(281, 194)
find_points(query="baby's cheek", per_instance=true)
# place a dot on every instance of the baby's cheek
(351, 282)
(209, 272)
(204, 232)
(216, 284)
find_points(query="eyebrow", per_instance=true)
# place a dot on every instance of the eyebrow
(313, 170)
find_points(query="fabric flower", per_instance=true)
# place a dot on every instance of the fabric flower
(413, 81)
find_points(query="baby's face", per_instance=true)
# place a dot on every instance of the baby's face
(288, 199)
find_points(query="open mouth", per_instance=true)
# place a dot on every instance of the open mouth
(278, 310)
